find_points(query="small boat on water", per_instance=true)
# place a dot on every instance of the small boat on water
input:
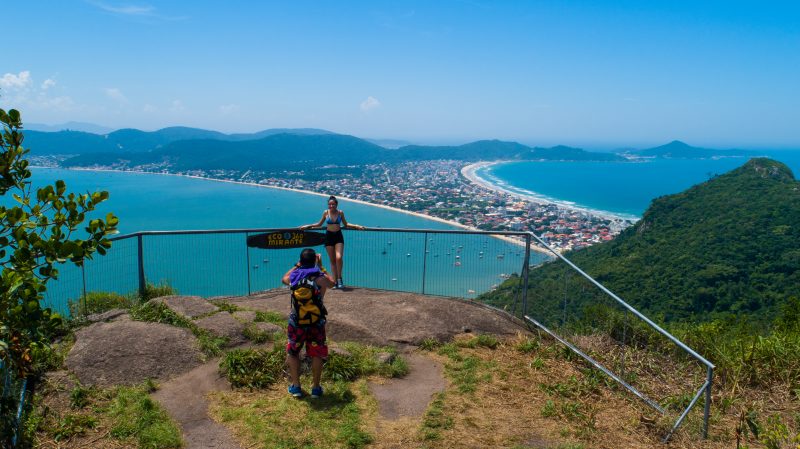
(383, 252)
(471, 292)
(457, 264)
(501, 256)
(394, 279)
(458, 257)
(408, 255)
(266, 260)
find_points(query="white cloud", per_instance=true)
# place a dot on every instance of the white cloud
(149, 108)
(128, 10)
(228, 109)
(48, 83)
(177, 106)
(20, 81)
(115, 94)
(369, 104)
(140, 12)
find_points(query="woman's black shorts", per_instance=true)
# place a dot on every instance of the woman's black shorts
(332, 238)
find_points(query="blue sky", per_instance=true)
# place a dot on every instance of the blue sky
(597, 74)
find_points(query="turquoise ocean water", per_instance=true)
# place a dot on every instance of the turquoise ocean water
(218, 265)
(623, 188)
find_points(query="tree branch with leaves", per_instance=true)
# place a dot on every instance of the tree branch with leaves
(38, 232)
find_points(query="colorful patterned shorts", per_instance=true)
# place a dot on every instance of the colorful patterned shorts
(313, 337)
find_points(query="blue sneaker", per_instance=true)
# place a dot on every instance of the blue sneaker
(296, 391)
(316, 392)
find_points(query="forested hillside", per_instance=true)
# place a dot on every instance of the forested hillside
(726, 247)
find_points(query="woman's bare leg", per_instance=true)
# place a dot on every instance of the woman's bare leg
(332, 256)
(339, 250)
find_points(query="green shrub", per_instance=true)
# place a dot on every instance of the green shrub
(73, 424)
(398, 368)
(429, 344)
(342, 367)
(364, 358)
(253, 368)
(98, 302)
(156, 290)
(158, 312)
(79, 397)
(487, 341)
(527, 345)
(210, 344)
(252, 333)
(270, 317)
(226, 306)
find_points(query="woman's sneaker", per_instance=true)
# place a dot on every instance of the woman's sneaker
(316, 392)
(339, 283)
(296, 391)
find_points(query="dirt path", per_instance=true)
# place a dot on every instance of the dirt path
(409, 396)
(184, 397)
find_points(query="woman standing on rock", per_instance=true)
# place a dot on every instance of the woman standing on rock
(334, 240)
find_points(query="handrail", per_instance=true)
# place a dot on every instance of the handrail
(630, 308)
(241, 230)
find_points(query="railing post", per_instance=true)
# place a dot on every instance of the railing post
(424, 263)
(525, 270)
(707, 405)
(142, 281)
(247, 251)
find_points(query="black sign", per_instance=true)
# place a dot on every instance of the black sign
(290, 238)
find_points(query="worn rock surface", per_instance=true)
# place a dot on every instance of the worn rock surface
(188, 306)
(268, 328)
(108, 315)
(223, 324)
(129, 352)
(245, 315)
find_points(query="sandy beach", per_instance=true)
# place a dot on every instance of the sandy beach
(470, 172)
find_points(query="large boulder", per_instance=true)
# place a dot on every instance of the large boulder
(129, 352)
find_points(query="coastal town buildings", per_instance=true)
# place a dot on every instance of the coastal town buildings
(434, 188)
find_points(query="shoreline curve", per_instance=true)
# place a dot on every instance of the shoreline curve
(470, 172)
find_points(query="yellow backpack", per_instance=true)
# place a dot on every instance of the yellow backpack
(307, 303)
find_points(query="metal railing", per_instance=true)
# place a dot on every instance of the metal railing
(573, 308)
(615, 337)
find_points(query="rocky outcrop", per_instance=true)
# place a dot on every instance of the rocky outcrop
(129, 352)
